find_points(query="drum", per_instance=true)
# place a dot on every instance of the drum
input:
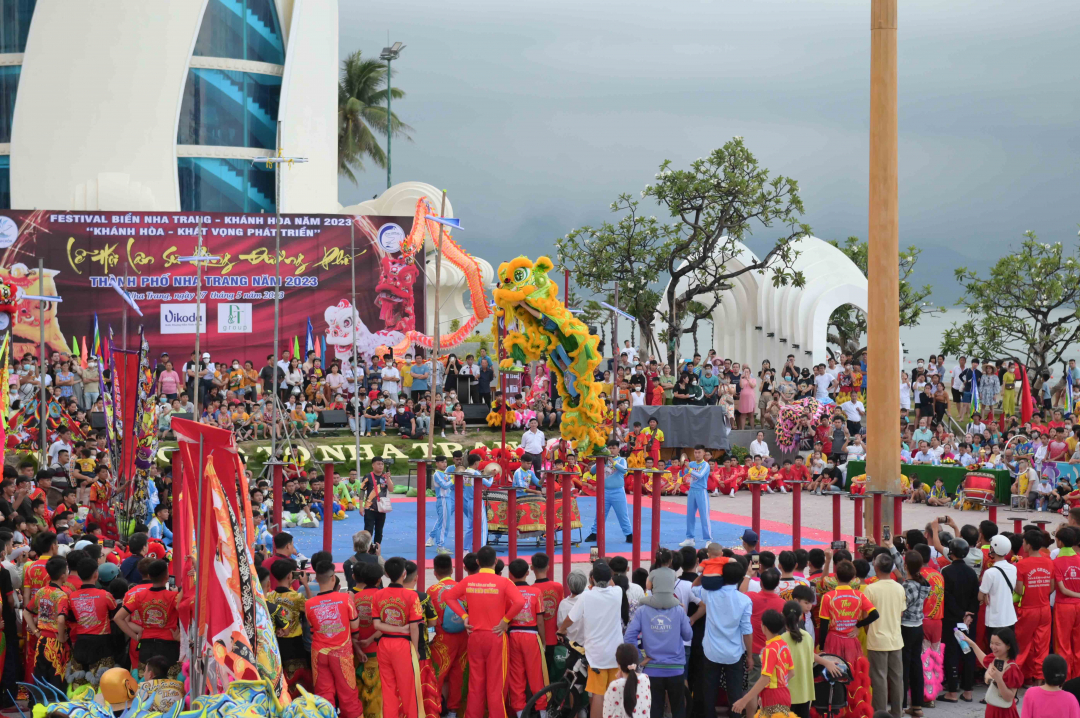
(979, 487)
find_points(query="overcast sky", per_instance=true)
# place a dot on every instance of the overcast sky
(535, 115)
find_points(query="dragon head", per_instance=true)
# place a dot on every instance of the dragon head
(521, 279)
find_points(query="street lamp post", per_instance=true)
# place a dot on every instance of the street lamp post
(388, 54)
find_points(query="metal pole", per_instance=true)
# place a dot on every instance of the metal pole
(636, 550)
(328, 507)
(125, 308)
(500, 328)
(600, 518)
(836, 531)
(567, 516)
(421, 522)
(614, 373)
(549, 515)
(478, 511)
(858, 500)
(459, 523)
(198, 328)
(277, 310)
(390, 128)
(355, 357)
(655, 517)
(511, 521)
(436, 338)
(277, 472)
(43, 415)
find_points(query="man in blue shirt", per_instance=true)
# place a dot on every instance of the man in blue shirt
(444, 504)
(615, 494)
(697, 498)
(420, 371)
(728, 636)
(524, 479)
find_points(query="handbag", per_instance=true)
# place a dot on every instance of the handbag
(993, 697)
(451, 622)
(384, 504)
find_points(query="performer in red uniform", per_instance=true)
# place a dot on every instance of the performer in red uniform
(447, 649)
(368, 578)
(157, 607)
(46, 619)
(844, 610)
(1035, 583)
(527, 665)
(333, 620)
(551, 595)
(934, 606)
(493, 602)
(398, 616)
(91, 627)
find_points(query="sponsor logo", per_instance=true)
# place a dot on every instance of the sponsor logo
(391, 236)
(234, 318)
(180, 319)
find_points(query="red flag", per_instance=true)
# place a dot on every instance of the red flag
(1027, 402)
(82, 359)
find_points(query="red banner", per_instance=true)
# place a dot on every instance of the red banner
(86, 252)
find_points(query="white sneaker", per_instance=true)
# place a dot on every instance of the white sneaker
(783, 490)
(688, 542)
(769, 489)
(431, 542)
(443, 433)
(732, 494)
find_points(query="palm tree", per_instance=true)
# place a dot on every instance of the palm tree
(362, 112)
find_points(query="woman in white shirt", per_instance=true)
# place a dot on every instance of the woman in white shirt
(905, 391)
(628, 696)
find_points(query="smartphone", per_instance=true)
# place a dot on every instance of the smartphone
(999, 664)
(109, 543)
(861, 540)
(172, 582)
(755, 563)
(943, 520)
(594, 554)
(839, 546)
(373, 548)
(886, 533)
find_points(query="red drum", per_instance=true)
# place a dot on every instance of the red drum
(979, 487)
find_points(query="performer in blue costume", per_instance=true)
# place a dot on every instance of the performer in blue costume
(444, 504)
(473, 474)
(524, 479)
(697, 498)
(615, 494)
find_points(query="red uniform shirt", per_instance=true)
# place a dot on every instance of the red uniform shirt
(330, 616)
(776, 665)
(398, 607)
(157, 611)
(1037, 573)
(760, 602)
(934, 605)
(136, 617)
(551, 595)
(89, 610)
(364, 600)
(35, 576)
(48, 604)
(491, 599)
(843, 607)
(526, 617)
(1067, 570)
(435, 594)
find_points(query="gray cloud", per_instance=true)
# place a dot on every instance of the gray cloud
(535, 115)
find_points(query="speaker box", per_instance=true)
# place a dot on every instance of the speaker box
(97, 419)
(334, 417)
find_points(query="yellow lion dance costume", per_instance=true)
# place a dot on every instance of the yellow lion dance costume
(527, 294)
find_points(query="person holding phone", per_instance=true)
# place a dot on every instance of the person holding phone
(1003, 676)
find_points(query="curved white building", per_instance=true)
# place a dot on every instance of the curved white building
(135, 105)
(756, 321)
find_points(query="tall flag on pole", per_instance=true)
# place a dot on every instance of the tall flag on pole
(1027, 402)
(1070, 397)
(82, 357)
(296, 347)
(322, 342)
(309, 345)
(976, 407)
(97, 337)
(74, 346)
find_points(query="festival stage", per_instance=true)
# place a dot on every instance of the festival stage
(399, 538)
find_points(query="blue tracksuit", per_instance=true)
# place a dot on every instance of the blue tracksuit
(467, 510)
(697, 500)
(615, 495)
(523, 478)
(444, 506)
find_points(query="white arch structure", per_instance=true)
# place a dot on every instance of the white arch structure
(755, 321)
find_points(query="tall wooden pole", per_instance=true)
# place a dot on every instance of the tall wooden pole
(435, 331)
(883, 320)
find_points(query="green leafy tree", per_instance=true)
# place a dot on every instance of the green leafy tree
(847, 325)
(714, 206)
(1028, 304)
(362, 114)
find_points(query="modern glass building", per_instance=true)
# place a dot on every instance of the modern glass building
(15, 18)
(231, 109)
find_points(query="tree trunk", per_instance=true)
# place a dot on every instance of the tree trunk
(673, 331)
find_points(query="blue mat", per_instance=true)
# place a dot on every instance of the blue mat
(399, 534)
